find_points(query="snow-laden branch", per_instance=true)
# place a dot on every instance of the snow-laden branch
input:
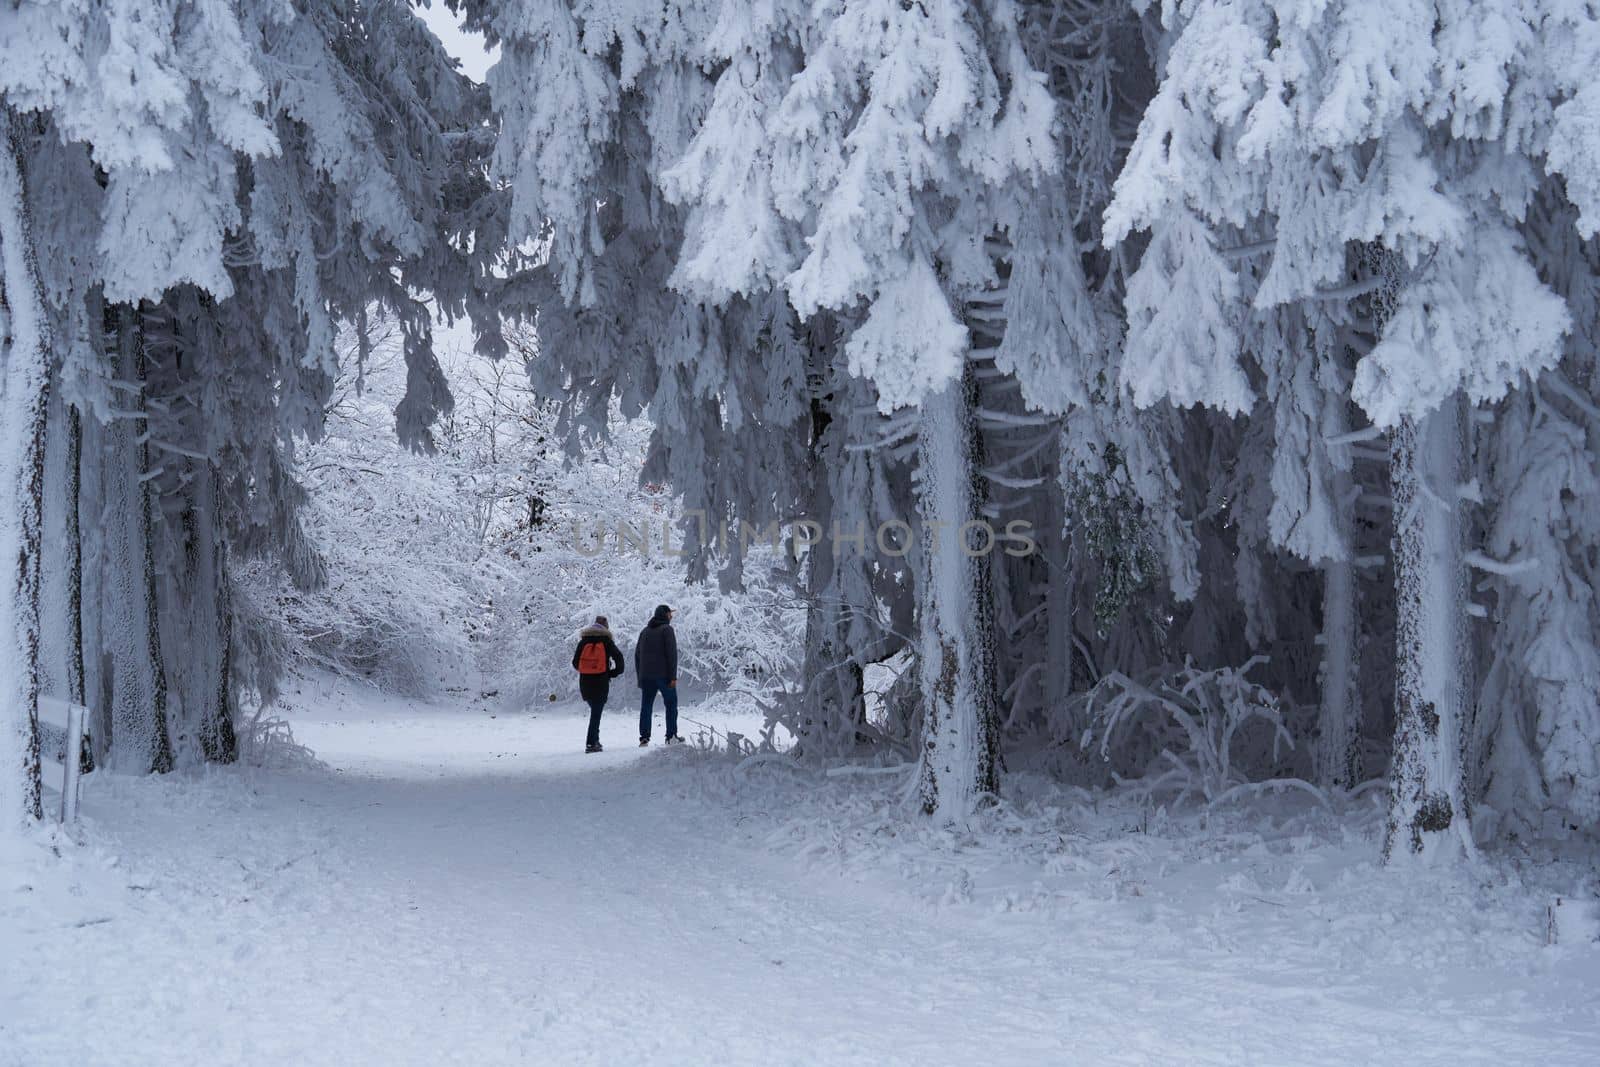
(1045, 440)
(1246, 251)
(1366, 433)
(1006, 418)
(1354, 289)
(1010, 482)
(168, 446)
(1504, 568)
(1557, 383)
(894, 436)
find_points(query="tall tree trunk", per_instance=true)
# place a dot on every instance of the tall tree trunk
(161, 749)
(220, 741)
(1339, 754)
(820, 710)
(1056, 546)
(215, 709)
(1427, 807)
(76, 688)
(24, 396)
(960, 726)
(129, 676)
(835, 698)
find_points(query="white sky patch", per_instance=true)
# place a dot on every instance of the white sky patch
(468, 48)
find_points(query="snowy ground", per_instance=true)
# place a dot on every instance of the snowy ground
(463, 885)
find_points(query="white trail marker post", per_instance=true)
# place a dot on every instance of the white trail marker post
(62, 756)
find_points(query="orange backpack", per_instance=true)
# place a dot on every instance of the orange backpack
(592, 658)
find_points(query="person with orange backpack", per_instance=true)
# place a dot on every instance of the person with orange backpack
(597, 660)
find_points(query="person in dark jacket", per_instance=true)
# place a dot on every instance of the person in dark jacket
(597, 660)
(655, 660)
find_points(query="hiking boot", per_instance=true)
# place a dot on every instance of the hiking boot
(643, 741)
(674, 740)
(593, 748)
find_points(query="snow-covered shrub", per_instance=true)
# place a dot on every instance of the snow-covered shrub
(1191, 731)
(267, 741)
(401, 592)
(395, 531)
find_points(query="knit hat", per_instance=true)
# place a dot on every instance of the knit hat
(662, 611)
(600, 620)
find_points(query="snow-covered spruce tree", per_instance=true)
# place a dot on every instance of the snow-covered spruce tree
(221, 185)
(578, 123)
(1122, 548)
(380, 133)
(898, 114)
(133, 123)
(1331, 127)
(1538, 720)
(25, 347)
(1537, 725)
(737, 240)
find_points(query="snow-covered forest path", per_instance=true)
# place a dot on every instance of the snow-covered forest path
(455, 887)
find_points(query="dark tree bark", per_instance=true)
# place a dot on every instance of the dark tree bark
(161, 753)
(217, 740)
(1427, 804)
(75, 662)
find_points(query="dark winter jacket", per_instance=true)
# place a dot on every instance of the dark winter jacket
(597, 685)
(656, 654)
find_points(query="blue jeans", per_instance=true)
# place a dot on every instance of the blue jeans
(648, 688)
